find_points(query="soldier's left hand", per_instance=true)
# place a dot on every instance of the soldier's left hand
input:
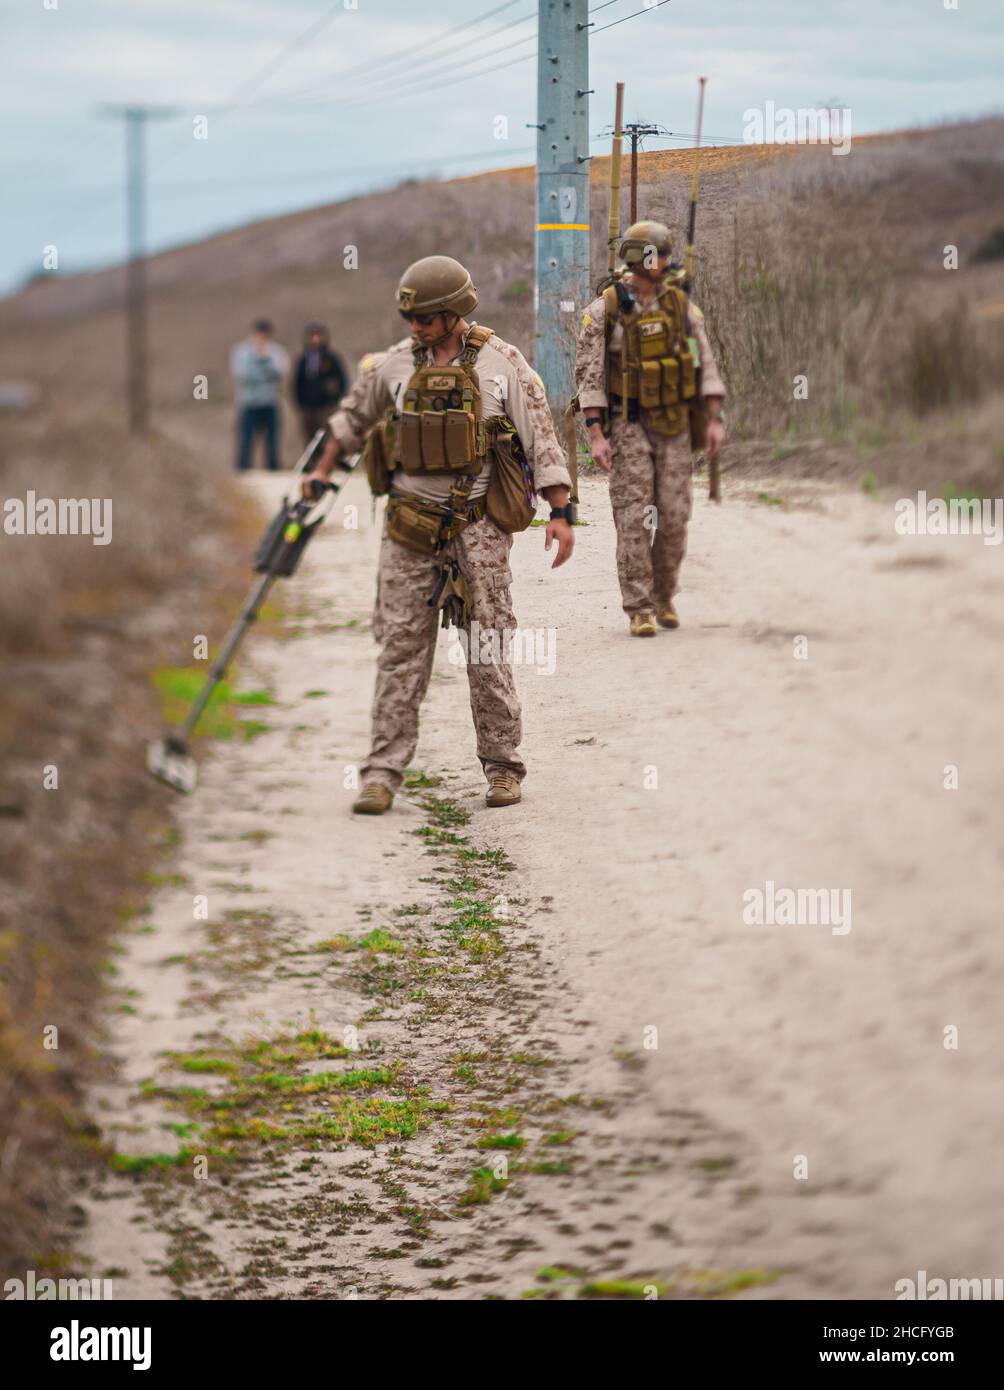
(714, 439)
(561, 531)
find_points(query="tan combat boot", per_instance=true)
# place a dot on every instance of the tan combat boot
(668, 616)
(373, 800)
(643, 625)
(503, 790)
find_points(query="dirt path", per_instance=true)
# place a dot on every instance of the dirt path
(504, 971)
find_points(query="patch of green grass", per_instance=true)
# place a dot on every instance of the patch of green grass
(483, 1185)
(208, 1065)
(475, 928)
(717, 1283)
(561, 1136)
(552, 1274)
(502, 1141)
(254, 697)
(552, 1167)
(143, 1163)
(770, 500)
(444, 813)
(432, 835)
(869, 485)
(156, 880)
(253, 728)
(380, 940)
(415, 779)
(315, 694)
(623, 1288)
(178, 687)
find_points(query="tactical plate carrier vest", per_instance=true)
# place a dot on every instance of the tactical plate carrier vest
(440, 430)
(656, 369)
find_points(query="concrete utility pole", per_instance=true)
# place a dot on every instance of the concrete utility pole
(137, 369)
(561, 291)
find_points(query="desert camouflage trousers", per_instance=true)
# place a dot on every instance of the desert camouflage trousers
(407, 628)
(651, 496)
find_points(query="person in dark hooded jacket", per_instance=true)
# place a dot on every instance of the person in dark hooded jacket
(320, 380)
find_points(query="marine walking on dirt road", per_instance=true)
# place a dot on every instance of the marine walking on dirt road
(651, 393)
(455, 428)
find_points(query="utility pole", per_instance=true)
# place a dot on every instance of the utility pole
(636, 130)
(561, 291)
(137, 369)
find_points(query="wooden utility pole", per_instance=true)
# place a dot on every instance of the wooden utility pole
(637, 129)
(137, 360)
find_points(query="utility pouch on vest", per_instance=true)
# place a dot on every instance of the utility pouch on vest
(460, 438)
(670, 380)
(416, 530)
(433, 442)
(512, 502)
(688, 385)
(375, 461)
(424, 527)
(650, 387)
(410, 436)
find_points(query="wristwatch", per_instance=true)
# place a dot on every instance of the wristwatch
(594, 420)
(567, 512)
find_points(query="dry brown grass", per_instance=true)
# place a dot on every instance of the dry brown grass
(81, 628)
(833, 269)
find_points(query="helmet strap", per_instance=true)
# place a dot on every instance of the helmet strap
(449, 331)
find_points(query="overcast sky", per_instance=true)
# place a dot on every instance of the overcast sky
(375, 95)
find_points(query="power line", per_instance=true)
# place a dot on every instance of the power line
(422, 76)
(437, 83)
(406, 53)
(257, 77)
(647, 10)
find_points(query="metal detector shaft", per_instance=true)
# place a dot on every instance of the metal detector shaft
(232, 641)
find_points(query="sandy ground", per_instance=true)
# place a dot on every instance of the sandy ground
(762, 1111)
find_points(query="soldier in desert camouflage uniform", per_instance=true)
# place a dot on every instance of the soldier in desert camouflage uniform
(644, 369)
(471, 554)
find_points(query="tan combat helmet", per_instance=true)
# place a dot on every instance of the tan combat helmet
(641, 237)
(434, 285)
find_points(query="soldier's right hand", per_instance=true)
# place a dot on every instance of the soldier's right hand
(601, 451)
(307, 482)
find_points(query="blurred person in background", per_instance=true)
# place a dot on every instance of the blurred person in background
(258, 366)
(320, 381)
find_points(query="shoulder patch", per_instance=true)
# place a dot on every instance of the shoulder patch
(587, 319)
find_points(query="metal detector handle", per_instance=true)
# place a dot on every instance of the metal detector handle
(318, 489)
